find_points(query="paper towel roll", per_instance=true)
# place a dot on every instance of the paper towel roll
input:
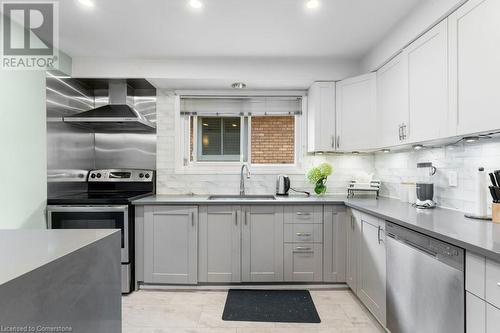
(481, 203)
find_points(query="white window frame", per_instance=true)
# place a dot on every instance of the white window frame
(183, 165)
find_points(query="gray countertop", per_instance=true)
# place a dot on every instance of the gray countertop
(482, 237)
(24, 250)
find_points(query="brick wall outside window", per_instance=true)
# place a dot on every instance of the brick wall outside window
(273, 140)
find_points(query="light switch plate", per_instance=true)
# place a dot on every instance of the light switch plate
(452, 178)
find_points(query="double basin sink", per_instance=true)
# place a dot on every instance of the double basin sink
(242, 197)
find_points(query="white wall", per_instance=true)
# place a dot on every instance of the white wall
(168, 182)
(424, 16)
(23, 166)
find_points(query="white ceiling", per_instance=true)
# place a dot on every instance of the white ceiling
(226, 28)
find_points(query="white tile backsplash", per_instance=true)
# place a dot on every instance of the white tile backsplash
(463, 158)
(170, 182)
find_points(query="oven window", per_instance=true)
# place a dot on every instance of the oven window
(84, 220)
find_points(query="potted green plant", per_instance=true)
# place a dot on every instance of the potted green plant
(318, 176)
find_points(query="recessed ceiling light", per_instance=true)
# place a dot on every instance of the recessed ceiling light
(86, 3)
(312, 4)
(418, 147)
(386, 150)
(205, 124)
(355, 152)
(239, 85)
(196, 4)
(234, 125)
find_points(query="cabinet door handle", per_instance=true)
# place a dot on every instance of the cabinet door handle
(235, 218)
(338, 141)
(303, 234)
(303, 213)
(378, 234)
(246, 218)
(333, 141)
(404, 131)
(192, 219)
(400, 132)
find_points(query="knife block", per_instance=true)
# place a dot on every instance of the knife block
(495, 212)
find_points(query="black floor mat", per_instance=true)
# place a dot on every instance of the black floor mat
(283, 306)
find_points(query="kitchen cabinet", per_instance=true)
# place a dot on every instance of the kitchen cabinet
(219, 244)
(356, 107)
(335, 227)
(475, 314)
(170, 244)
(262, 243)
(474, 31)
(371, 286)
(303, 262)
(392, 102)
(321, 117)
(427, 60)
(352, 249)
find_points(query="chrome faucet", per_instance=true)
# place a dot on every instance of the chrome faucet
(242, 180)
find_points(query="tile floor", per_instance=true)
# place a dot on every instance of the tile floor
(201, 311)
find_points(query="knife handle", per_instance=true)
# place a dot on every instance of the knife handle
(493, 193)
(492, 178)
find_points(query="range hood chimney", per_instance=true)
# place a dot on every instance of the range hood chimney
(117, 116)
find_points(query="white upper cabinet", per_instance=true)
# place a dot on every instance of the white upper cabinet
(321, 117)
(392, 102)
(427, 60)
(474, 63)
(356, 113)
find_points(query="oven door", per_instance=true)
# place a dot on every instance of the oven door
(92, 217)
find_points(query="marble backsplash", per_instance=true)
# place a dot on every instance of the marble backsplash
(170, 182)
(462, 158)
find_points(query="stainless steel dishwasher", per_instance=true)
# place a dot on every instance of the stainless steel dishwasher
(425, 283)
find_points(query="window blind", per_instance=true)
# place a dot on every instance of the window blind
(241, 106)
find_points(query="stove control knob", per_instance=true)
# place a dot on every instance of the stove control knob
(141, 175)
(98, 175)
(92, 175)
(147, 175)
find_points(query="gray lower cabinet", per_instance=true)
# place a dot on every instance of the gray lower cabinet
(371, 284)
(170, 244)
(220, 244)
(303, 262)
(352, 249)
(262, 243)
(335, 226)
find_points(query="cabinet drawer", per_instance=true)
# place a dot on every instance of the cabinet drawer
(303, 262)
(304, 214)
(475, 267)
(304, 233)
(493, 282)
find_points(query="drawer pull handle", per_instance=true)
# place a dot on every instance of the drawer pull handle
(302, 248)
(303, 234)
(303, 213)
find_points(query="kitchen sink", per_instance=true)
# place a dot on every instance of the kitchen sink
(242, 197)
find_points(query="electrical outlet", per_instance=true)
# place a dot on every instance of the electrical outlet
(452, 178)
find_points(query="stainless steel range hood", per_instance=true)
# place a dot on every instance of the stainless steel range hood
(117, 116)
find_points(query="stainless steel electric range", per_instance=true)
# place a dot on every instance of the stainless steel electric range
(105, 205)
